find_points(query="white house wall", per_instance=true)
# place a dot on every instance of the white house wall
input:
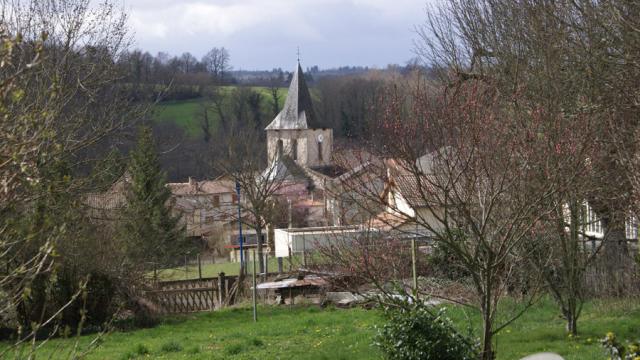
(307, 239)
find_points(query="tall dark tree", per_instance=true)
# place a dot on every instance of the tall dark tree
(153, 235)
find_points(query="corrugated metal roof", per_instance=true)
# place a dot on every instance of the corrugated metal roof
(309, 280)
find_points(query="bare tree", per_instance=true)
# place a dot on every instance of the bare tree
(465, 164)
(189, 62)
(572, 63)
(243, 159)
(216, 61)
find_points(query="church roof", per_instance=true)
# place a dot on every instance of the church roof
(284, 168)
(297, 112)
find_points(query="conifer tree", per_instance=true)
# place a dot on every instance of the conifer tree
(108, 170)
(153, 235)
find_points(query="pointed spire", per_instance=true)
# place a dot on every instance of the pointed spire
(297, 112)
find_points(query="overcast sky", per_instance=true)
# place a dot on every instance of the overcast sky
(264, 34)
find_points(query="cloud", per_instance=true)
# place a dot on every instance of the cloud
(275, 27)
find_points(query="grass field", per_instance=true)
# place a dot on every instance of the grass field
(184, 113)
(313, 333)
(187, 113)
(212, 270)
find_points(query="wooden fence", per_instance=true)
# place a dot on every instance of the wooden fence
(185, 296)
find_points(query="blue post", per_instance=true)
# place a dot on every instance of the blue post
(240, 238)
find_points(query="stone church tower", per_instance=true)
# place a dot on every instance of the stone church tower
(297, 132)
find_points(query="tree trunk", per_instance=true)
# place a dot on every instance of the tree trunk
(614, 251)
(487, 337)
(260, 243)
(572, 322)
(487, 318)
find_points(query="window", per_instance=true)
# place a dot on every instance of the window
(216, 200)
(631, 228)
(593, 225)
(294, 149)
(279, 148)
(320, 150)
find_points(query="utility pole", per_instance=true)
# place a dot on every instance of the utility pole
(413, 267)
(255, 304)
(240, 238)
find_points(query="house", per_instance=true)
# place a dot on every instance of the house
(208, 209)
(108, 205)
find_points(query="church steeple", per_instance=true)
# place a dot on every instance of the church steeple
(297, 112)
(296, 132)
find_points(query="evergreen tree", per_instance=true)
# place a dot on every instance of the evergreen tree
(108, 170)
(153, 235)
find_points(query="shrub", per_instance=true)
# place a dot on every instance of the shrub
(256, 342)
(444, 263)
(617, 351)
(416, 332)
(171, 346)
(233, 349)
(141, 349)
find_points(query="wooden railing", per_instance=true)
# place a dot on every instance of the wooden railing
(185, 296)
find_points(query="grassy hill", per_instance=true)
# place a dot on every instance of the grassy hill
(187, 114)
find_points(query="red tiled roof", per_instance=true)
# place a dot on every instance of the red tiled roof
(413, 187)
(202, 187)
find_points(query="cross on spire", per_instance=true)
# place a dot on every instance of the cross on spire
(298, 53)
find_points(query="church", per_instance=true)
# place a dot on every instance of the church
(297, 131)
(300, 149)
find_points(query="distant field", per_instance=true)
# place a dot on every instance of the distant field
(184, 113)
(313, 333)
(188, 113)
(212, 270)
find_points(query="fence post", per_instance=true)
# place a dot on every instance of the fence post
(213, 295)
(186, 268)
(199, 268)
(266, 266)
(279, 265)
(304, 251)
(221, 288)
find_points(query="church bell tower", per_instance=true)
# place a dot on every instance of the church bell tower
(296, 131)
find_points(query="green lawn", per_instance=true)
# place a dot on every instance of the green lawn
(188, 113)
(542, 329)
(313, 333)
(184, 113)
(281, 333)
(212, 270)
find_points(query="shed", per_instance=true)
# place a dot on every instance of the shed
(301, 240)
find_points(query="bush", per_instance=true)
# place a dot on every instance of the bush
(617, 351)
(444, 263)
(171, 346)
(233, 349)
(415, 332)
(141, 349)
